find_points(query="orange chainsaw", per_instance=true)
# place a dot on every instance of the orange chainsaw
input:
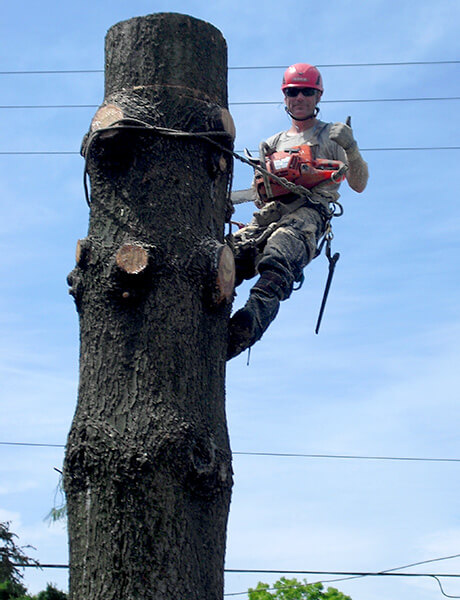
(298, 166)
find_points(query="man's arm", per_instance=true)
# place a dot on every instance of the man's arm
(358, 172)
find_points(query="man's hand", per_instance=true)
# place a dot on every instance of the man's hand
(343, 135)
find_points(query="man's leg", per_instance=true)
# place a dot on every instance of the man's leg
(281, 263)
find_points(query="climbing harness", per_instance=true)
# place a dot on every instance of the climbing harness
(297, 164)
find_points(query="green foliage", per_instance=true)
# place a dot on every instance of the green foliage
(11, 556)
(292, 589)
(16, 591)
(12, 589)
(59, 510)
(51, 593)
(56, 514)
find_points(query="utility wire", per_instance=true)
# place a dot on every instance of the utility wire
(38, 152)
(285, 571)
(242, 103)
(422, 562)
(32, 444)
(394, 149)
(435, 576)
(349, 574)
(29, 106)
(241, 68)
(376, 64)
(285, 455)
(347, 456)
(353, 573)
(341, 101)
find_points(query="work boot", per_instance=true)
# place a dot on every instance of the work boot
(242, 332)
(249, 323)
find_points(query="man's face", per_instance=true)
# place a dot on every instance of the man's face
(301, 102)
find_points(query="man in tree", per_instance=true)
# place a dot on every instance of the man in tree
(283, 236)
(292, 589)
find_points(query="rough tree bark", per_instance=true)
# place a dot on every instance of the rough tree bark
(148, 472)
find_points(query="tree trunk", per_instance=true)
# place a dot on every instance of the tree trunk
(148, 472)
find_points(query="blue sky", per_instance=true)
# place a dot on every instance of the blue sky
(381, 378)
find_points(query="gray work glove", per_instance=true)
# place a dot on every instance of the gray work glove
(343, 135)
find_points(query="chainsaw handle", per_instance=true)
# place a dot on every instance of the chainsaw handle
(326, 163)
(338, 175)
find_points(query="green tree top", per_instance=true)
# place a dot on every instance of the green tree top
(292, 589)
(12, 556)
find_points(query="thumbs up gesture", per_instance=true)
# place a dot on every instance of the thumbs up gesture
(342, 134)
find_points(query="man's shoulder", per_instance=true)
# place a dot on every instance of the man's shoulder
(273, 140)
(322, 127)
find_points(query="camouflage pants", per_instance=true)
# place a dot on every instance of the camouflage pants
(281, 239)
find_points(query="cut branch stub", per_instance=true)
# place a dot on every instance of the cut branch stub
(106, 116)
(82, 251)
(132, 259)
(225, 281)
(78, 252)
(228, 123)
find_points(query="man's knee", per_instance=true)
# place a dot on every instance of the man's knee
(286, 251)
(274, 283)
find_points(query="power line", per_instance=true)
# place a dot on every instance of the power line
(414, 564)
(348, 456)
(357, 574)
(238, 103)
(349, 575)
(32, 444)
(52, 72)
(352, 574)
(37, 152)
(285, 455)
(29, 106)
(285, 571)
(245, 67)
(410, 148)
(375, 64)
(349, 101)
(393, 149)
(345, 573)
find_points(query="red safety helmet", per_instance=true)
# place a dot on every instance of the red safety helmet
(304, 76)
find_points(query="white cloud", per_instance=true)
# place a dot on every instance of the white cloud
(22, 487)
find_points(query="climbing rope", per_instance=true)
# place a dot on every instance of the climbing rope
(137, 124)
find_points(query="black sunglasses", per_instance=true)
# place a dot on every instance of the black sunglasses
(294, 91)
